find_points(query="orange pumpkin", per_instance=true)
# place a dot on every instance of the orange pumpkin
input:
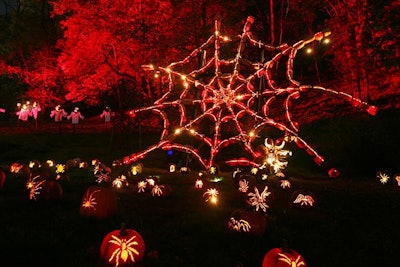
(122, 247)
(279, 257)
(99, 202)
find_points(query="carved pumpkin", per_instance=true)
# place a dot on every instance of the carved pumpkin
(303, 199)
(123, 247)
(42, 189)
(248, 222)
(161, 190)
(99, 202)
(2, 178)
(52, 190)
(279, 257)
(20, 170)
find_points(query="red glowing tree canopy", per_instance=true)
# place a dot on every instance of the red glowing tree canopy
(220, 104)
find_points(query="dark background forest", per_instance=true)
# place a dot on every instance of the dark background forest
(91, 53)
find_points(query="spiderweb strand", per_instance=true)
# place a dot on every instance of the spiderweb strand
(227, 100)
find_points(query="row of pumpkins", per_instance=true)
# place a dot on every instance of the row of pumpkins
(124, 246)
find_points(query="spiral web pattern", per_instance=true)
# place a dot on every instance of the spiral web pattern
(220, 103)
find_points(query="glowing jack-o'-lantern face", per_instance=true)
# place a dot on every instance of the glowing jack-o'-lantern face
(123, 247)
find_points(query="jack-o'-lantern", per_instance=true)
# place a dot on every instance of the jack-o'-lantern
(303, 199)
(122, 247)
(99, 202)
(52, 190)
(73, 163)
(248, 222)
(279, 257)
(383, 177)
(396, 180)
(42, 189)
(136, 168)
(20, 170)
(161, 190)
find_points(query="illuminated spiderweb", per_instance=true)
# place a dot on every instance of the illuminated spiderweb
(208, 107)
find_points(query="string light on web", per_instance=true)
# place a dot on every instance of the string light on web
(219, 103)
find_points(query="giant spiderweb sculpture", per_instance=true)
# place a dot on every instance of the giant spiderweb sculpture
(207, 108)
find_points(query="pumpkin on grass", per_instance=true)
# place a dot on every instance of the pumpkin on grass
(122, 247)
(99, 202)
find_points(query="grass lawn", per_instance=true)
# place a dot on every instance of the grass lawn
(353, 222)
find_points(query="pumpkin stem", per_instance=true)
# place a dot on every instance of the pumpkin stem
(122, 231)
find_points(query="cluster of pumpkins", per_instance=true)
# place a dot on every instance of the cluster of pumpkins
(124, 246)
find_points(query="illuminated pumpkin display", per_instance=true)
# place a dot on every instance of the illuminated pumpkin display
(161, 190)
(99, 202)
(172, 167)
(248, 222)
(73, 163)
(2, 178)
(383, 177)
(34, 164)
(123, 247)
(211, 195)
(198, 184)
(42, 189)
(396, 180)
(83, 165)
(259, 200)
(120, 182)
(20, 170)
(279, 257)
(303, 199)
(136, 168)
(141, 186)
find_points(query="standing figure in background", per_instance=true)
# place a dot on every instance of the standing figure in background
(58, 113)
(35, 111)
(106, 115)
(23, 115)
(75, 116)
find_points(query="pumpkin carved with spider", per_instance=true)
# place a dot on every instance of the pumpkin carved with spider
(122, 247)
(281, 257)
(99, 202)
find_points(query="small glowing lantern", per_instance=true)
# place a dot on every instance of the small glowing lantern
(136, 168)
(214, 169)
(198, 184)
(172, 167)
